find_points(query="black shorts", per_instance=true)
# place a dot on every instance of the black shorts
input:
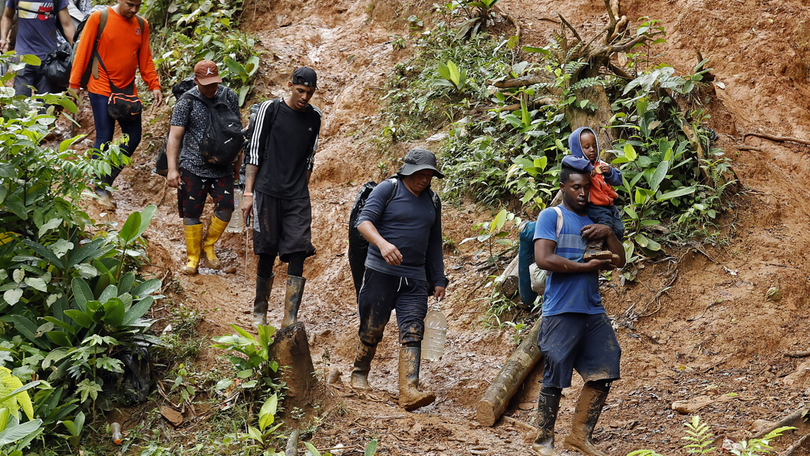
(583, 342)
(195, 189)
(282, 226)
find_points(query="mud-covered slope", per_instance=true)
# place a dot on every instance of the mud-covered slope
(712, 333)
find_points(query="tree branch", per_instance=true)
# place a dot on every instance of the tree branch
(571, 27)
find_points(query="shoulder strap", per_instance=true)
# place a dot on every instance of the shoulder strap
(395, 185)
(559, 221)
(102, 23)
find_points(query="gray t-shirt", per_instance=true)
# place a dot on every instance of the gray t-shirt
(192, 114)
(411, 223)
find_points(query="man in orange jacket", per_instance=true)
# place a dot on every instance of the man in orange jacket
(123, 47)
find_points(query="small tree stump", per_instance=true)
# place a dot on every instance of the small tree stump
(507, 283)
(291, 350)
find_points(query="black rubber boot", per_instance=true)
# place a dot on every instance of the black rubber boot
(295, 291)
(586, 415)
(263, 287)
(410, 398)
(362, 365)
(547, 407)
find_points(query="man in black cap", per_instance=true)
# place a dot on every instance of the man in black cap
(280, 158)
(402, 222)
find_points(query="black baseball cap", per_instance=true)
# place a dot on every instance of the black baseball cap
(417, 160)
(305, 76)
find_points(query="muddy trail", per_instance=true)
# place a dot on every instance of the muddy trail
(698, 326)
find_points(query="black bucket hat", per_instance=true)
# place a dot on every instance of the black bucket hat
(418, 160)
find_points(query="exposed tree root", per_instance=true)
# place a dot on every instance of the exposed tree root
(777, 138)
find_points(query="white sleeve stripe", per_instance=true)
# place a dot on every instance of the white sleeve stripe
(255, 141)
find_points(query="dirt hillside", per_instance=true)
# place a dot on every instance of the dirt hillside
(698, 325)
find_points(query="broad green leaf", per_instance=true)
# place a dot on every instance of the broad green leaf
(243, 333)
(37, 283)
(49, 225)
(629, 248)
(61, 247)
(110, 292)
(683, 191)
(146, 218)
(81, 293)
(659, 175)
(130, 229)
(59, 338)
(19, 432)
(254, 434)
(641, 240)
(632, 213)
(146, 288)
(12, 296)
(630, 152)
(371, 448)
(312, 449)
(44, 252)
(114, 312)
(138, 310)
(79, 317)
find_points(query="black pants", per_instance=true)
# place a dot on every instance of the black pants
(380, 294)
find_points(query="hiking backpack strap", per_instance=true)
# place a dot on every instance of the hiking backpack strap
(102, 23)
(559, 221)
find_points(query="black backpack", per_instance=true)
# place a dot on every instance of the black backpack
(223, 137)
(358, 245)
(178, 90)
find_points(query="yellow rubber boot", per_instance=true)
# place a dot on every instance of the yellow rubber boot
(214, 232)
(193, 238)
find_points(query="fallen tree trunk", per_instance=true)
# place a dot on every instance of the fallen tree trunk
(291, 350)
(509, 379)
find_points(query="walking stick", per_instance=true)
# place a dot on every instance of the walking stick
(247, 243)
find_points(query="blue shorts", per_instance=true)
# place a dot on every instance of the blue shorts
(606, 215)
(583, 342)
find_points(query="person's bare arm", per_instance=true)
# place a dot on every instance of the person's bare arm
(247, 197)
(173, 155)
(67, 25)
(389, 251)
(5, 28)
(546, 258)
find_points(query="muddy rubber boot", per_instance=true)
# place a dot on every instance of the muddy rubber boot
(263, 287)
(295, 291)
(586, 415)
(193, 238)
(105, 199)
(410, 398)
(215, 230)
(596, 250)
(547, 407)
(362, 365)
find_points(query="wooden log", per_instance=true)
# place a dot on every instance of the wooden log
(507, 283)
(292, 444)
(291, 350)
(509, 379)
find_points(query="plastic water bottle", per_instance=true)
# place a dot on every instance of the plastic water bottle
(116, 433)
(237, 223)
(435, 334)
